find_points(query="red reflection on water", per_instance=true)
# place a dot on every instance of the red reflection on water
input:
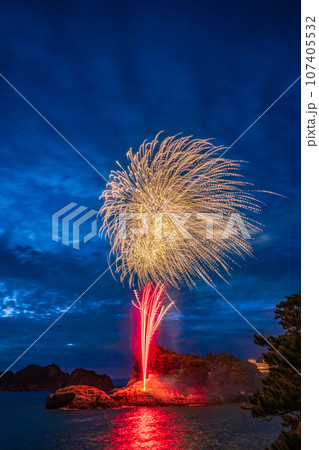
(146, 427)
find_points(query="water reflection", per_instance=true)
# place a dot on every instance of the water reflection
(143, 427)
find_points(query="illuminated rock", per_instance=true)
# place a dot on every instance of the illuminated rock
(80, 397)
(158, 392)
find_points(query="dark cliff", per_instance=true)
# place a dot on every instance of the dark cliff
(221, 377)
(50, 378)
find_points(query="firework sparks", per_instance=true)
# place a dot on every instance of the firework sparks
(180, 177)
(151, 308)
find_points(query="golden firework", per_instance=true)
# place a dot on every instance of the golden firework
(168, 199)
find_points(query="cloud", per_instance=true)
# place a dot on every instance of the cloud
(109, 76)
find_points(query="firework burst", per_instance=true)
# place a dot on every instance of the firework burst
(151, 313)
(177, 178)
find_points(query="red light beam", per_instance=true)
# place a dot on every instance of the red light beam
(152, 312)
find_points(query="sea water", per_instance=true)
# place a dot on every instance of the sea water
(26, 424)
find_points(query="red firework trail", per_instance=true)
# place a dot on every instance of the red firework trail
(152, 311)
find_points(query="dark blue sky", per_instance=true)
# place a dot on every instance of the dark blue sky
(109, 75)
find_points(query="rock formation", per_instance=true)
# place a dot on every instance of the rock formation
(174, 379)
(218, 377)
(50, 378)
(159, 392)
(230, 378)
(35, 378)
(80, 397)
(90, 378)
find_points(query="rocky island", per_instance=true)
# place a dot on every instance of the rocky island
(50, 378)
(174, 379)
(80, 397)
(190, 379)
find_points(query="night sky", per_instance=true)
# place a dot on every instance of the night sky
(109, 75)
